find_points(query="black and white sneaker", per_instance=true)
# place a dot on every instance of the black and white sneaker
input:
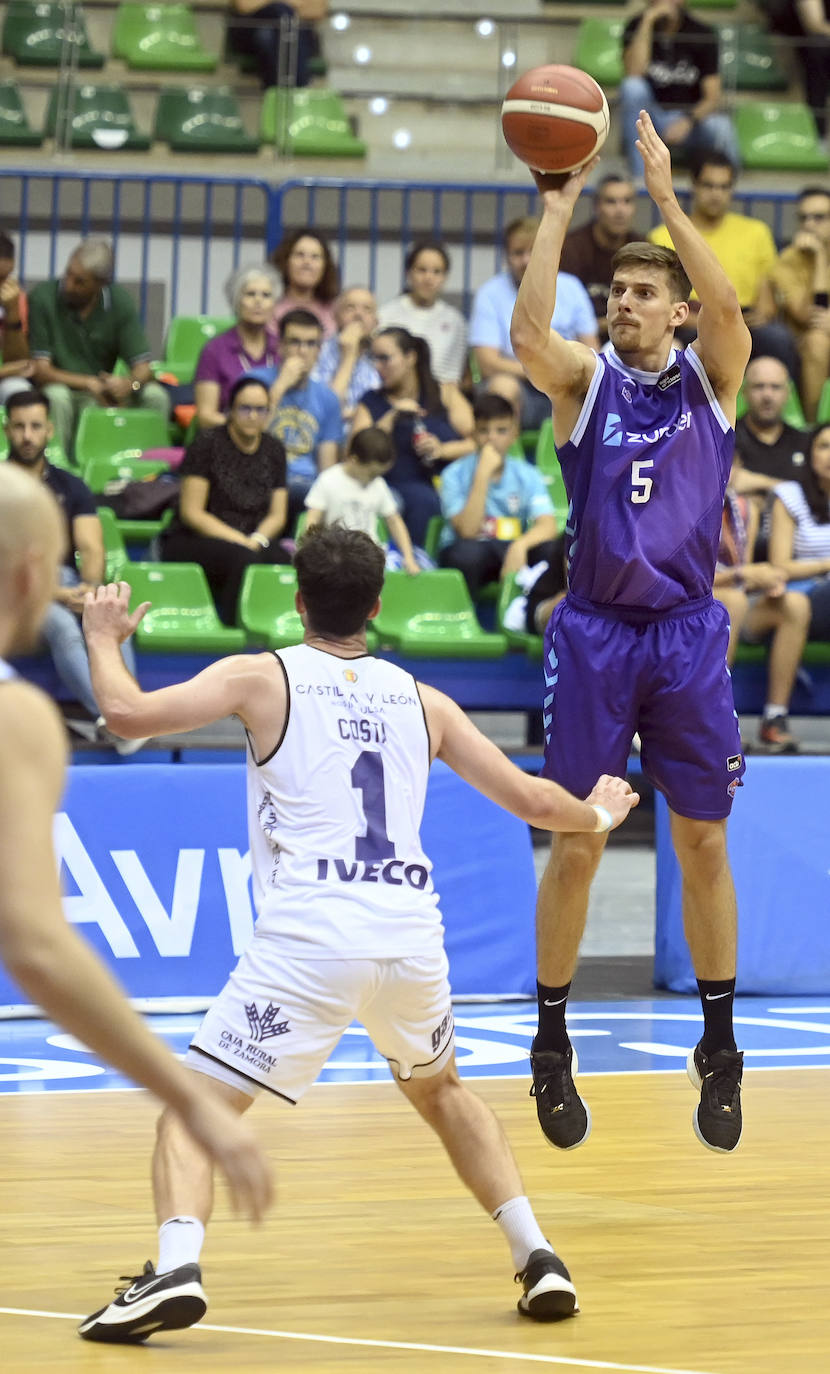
(150, 1302)
(717, 1118)
(548, 1293)
(563, 1116)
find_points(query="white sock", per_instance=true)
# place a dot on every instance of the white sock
(180, 1242)
(521, 1230)
(771, 711)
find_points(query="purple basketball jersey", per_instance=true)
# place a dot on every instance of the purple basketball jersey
(646, 469)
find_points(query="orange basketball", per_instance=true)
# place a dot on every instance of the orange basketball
(555, 118)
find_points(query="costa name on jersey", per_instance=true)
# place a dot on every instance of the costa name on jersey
(645, 469)
(337, 863)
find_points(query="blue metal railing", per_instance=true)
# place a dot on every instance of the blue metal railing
(188, 232)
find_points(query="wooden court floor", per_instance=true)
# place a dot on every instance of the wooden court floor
(376, 1260)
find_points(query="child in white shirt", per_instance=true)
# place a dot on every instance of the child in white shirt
(354, 494)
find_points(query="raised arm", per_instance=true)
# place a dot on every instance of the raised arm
(723, 340)
(562, 369)
(455, 739)
(250, 686)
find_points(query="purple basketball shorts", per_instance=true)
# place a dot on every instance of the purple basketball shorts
(610, 672)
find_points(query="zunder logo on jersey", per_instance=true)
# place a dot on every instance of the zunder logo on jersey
(613, 436)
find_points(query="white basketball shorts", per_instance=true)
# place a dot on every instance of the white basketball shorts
(277, 1019)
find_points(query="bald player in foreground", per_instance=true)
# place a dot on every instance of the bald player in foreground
(348, 926)
(43, 954)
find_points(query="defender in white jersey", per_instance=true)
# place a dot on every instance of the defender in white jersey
(339, 748)
(42, 952)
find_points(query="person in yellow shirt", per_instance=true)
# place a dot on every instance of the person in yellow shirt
(801, 283)
(746, 250)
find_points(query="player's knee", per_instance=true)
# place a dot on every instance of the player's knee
(797, 608)
(575, 856)
(700, 848)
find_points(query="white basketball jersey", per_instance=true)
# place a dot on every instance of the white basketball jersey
(334, 814)
(6, 670)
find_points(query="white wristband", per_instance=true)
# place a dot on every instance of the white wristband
(604, 819)
(261, 540)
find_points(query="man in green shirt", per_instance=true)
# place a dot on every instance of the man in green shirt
(79, 326)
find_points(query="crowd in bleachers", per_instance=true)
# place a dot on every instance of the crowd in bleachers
(312, 402)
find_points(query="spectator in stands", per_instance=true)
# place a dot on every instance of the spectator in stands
(588, 252)
(80, 325)
(16, 367)
(671, 70)
(745, 248)
(769, 449)
(422, 311)
(309, 277)
(430, 422)
(271, 33)
(498, 511)
(808, 20)
(306, 414)
(353, 493)
(759, 605)
(500, 370)
(251, 344)
(344, 363)
(799, 541)
(28, 430)
(801, 285)
(233, 503)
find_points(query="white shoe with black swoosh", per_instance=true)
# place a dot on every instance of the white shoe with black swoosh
(150, 1302)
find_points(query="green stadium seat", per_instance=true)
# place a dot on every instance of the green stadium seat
(182, 618)
(100, 118)
(15, 129)
(266, 607)
(111, 433)
(98, 472)
(203, 119)
(548, 464)
(792, 414)
(779, 136)
(432, 538)
(308, 122)
(712, 4)
(35, 35)
(432, 616)
(160, 38)
(599, 50)
(186, 337)
(118, 560)
(748, 59)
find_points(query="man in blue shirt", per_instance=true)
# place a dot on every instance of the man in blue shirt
(307, 417)
(500, 369)
(498, 511)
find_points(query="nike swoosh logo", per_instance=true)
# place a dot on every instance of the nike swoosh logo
(555, 1004)
(715, 996)
(133, 1295)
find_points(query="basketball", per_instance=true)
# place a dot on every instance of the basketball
(555, 118)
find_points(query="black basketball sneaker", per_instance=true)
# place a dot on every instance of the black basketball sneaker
(548, 1293)
(563, 1116)
(717, 1118)
(148, 1303)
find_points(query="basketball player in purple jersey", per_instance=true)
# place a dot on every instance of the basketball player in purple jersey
(644, 435)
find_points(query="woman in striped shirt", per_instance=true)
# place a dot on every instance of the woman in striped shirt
(799, 541)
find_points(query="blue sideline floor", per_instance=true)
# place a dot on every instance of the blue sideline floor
(493, 1040)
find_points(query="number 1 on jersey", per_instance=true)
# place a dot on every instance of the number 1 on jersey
(367, 778)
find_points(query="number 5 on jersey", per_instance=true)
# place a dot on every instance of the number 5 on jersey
(640, 483)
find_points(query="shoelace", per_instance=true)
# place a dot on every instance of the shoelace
(127, 1280)
(724, 1085)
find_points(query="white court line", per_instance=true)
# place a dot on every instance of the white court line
(561, 1360)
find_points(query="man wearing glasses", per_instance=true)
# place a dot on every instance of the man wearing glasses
(801, 282)
(233, 501)
(307, 417)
